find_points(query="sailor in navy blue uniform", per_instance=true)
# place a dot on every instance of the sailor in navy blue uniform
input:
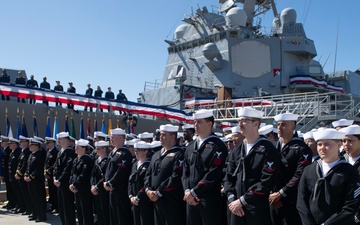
(328, 192)
(252, 173)
(5, 164)
(12, 167)
(203, 172)
(163, 179)
(351, 144)
(101, 196)
(142, 207)
(296, 155)
(310, 141)
(116, 180)
(35, 178)
(51, 155)
(19, 175)
(62, 172)
(80, 183)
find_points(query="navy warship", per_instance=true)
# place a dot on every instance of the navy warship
(223, 60)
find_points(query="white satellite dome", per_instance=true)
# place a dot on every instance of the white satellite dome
(236, 17)
(288, 15)
(210, 51)
(180, 31)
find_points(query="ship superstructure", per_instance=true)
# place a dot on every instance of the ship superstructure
(217, 59)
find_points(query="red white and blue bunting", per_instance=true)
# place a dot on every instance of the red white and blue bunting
(82, 100)
(307, 79)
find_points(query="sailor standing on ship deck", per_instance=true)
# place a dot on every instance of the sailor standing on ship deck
(296, 155)
(203, 172)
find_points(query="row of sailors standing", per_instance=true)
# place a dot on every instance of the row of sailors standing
(263, 183)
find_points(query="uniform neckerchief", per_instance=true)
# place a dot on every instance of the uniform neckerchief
(322, 180)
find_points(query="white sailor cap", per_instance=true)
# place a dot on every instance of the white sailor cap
(131, 135)
(219, 134)
(13, 140)
(226, 129)
(102, 144)
(286, 117)
(229, 137)
(34, 141)
(142, 145)
(266, 129)
(155, 144)
(145, 135)
(81, 142)
(169, 128)
(188, 126)
(202, 114)
(235, 129)
(48, 139)
(224, 139)
(72, 138)
(301, 135)
(90, 146)
(351, 130)
(131, 142)
(180, 135)
(4, 138)
(99, 134)
(39, 138)
(23, 138)
(62, 135)
(342, 123)
(309, 135)
(250, 112)
(328, 133)
(117, 131)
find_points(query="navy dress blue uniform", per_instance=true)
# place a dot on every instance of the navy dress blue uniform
(329, 199)
(37, 193)
(202, 176)
(12, 167)
(295, 156)
(22, 166)
(9, 189)
(49, 173)
(80, 179)
(164, 177)
(102, 199)
(117, 175)
(62, 171)
(250, 178)
(144, 212)
(5, 78)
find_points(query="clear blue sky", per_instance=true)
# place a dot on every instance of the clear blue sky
(121, 44)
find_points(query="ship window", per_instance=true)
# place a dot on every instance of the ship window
(202, 41)
(196, 43)
(314, 70)
(189, 45)
(207, 40)
(233, 34)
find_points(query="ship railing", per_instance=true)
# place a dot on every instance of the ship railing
(312, 107)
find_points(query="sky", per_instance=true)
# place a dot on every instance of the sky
(121, 44)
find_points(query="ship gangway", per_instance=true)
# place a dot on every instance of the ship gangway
(315, 109)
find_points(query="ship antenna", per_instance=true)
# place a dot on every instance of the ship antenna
(326, 60)
(336, 47)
